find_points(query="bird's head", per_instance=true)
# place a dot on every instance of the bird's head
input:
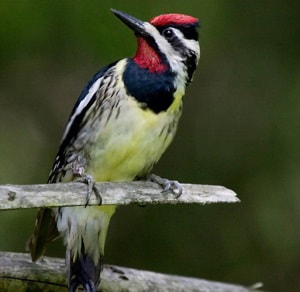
(168, 42)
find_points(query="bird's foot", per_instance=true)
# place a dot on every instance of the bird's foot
(88, 179)
(78, 168)
(167, 185)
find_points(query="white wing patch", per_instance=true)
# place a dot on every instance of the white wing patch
(84, 102)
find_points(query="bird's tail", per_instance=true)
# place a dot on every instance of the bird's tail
(84, 231)
(83, 271)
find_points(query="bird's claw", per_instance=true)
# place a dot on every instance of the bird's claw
(167, 185)
(78, 168)
(91, 187)
(88, 179)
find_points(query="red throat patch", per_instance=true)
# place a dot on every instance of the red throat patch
(147, 57)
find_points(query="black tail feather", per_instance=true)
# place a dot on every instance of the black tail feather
(83, 271)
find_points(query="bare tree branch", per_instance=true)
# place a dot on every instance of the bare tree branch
(74, 194)
(18, 273)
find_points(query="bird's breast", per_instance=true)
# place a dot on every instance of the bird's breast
(131, 141)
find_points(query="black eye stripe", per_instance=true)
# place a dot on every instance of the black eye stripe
(189, 31)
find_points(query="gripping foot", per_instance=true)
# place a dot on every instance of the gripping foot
(167, 185)
(78, 168)
(88, 179)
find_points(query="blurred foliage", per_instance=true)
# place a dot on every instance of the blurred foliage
(240, 129)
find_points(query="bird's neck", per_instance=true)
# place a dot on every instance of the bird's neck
(147, 58)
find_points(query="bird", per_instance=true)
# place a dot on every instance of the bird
(122, 123)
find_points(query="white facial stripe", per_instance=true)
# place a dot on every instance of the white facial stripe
(164, 46)
(175, 57)
(188, 43)
(84, 102)
(193, 46)
(178, 33)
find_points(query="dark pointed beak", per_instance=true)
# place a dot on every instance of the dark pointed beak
(133, 23)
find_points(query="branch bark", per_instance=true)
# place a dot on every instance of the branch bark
(140, 192)
(18, 273)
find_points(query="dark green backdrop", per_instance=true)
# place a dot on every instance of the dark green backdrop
(240, 129)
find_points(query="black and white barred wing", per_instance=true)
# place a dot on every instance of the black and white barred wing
(94, 104)
(93, 109)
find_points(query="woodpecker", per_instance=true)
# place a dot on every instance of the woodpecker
(122, 123)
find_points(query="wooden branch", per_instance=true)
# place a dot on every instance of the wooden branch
(18, 273)
(140, 192)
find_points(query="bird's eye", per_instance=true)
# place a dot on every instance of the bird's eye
(168, 33)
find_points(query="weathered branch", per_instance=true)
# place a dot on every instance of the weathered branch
(74, 194)
(18, 273)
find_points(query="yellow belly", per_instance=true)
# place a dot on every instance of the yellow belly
(130, 144)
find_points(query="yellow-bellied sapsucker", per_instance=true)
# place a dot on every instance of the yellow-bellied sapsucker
(122, 123)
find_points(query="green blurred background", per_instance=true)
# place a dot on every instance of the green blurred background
(239, 129)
